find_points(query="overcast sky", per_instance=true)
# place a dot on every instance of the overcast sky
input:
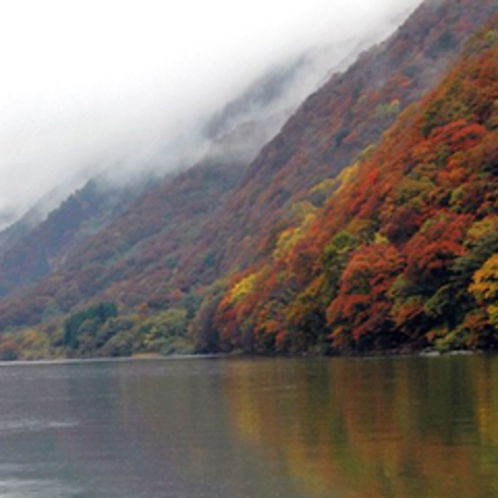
(89, 82)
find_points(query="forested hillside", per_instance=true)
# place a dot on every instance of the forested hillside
(39, 242)
(317, 244)
(32, 249)
(404, 255)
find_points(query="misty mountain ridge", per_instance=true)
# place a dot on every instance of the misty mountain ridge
(169, 150)
(234, 135)
(16, 228)
(246, 124)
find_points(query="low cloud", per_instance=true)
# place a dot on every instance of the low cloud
(130, 84)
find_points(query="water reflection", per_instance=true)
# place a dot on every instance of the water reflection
(401, 427)
(374, 428)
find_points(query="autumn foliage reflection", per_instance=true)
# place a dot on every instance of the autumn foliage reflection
(398, 428)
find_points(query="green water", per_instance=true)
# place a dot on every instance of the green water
(393, 428)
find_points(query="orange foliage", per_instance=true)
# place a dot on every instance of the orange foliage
(407, 211)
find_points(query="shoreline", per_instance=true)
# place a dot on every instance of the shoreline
(149, 357)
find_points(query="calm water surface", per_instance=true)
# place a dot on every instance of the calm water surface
(397, 427)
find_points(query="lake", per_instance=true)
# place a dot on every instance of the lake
(233, 428)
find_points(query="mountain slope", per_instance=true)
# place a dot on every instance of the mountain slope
(182, 237)
(37, 245)
(344, 117)
(123, 247)
(405, 253)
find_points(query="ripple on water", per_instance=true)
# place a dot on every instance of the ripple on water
(36, 488)
(33, 425)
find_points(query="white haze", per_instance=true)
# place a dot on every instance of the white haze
(126, 84)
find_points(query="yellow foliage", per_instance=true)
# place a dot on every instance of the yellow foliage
(492, 311)
(290, 237)
(485, 284)
(243, 288)
(33, 343)
(326, 185)
(380, 239)
(482, 227)
(346, 177)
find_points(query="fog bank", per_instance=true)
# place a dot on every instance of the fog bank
(130, 84)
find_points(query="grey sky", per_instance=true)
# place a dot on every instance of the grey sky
(97, 82)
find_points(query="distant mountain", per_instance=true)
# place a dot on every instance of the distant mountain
(38, 243)
(14, 227)
(171, 259)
